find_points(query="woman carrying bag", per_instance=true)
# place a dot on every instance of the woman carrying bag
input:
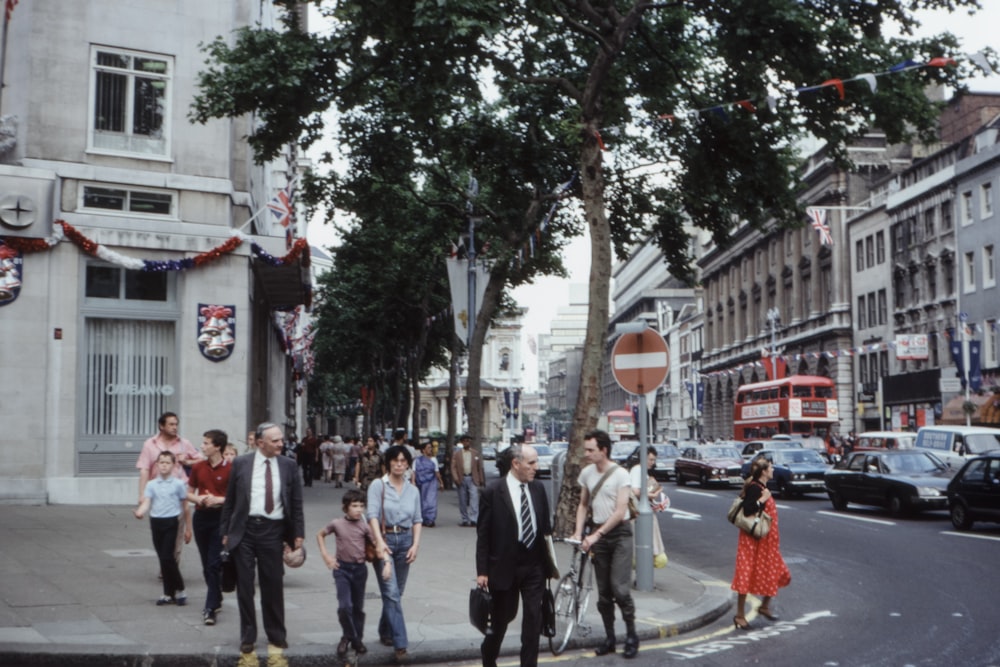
(760, 569)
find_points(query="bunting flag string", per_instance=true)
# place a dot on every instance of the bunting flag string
(977, 59)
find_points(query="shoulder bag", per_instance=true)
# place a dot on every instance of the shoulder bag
(371, 551)
(756, 526)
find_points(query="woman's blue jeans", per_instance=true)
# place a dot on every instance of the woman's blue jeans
(391, 623)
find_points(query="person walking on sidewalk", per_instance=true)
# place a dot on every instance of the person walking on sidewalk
(308, 456)
(207, 491)
(339, 455)
(262, 519)
(369, 466)
(396, 521)
(511, 558)
(469, 476)
(350, 573)
(428, 480)
(164, 499)
(167, 440)
(603, 508)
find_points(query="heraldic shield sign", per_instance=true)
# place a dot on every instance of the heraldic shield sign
(216, 331)
(10, 274)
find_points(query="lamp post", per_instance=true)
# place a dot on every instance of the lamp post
(773, 318)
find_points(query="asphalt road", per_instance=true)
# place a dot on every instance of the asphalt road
(867, 590)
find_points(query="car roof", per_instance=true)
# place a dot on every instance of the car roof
(887, 434)
(961, 429)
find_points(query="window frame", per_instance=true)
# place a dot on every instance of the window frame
(129, 191)
(989, 266)
(128, 112)
(985, 199)
(969, 272)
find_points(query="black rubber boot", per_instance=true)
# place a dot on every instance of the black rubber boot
(631, 640)
(609, 643)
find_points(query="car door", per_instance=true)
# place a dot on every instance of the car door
(846, 481)
(872, 482)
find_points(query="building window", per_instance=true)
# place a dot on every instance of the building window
(946, 216)
(929, 223)
(915, 287)
(986, 200)
(112, 282)
(969, 272)
(871, 310)
(898, 245)
(130, 102)
(989, 267)
(931, 283)
(880, 247)
(127, 200)
(505, 360)
(826, 285)
(872, 367)
(870, 251)
(883, 308)
(861, 313)
(948, 271)
(859, 253)
(423, 419)
(883, 358)
(991, 355)
(863, 368)
(967, 214)
(898, 292)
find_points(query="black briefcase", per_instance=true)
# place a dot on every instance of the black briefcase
(228, 573)
(481, 609)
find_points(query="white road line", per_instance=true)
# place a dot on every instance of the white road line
(681, 514)
(881, 522)
(703, 494)
(977, 536)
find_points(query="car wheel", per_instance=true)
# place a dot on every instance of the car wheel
(704, 480)
(837, 501)
(960, 516)
(680, 479)
(896, 505)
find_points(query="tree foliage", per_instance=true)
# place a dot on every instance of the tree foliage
(660, 108)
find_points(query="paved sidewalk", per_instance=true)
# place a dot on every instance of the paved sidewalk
(78, 585)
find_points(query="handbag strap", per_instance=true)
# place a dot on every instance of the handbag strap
(600, 483)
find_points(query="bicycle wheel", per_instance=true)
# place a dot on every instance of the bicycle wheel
(566, 614)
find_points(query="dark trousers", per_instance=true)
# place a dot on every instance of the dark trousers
(309, 468)
(350, 580)
(206, 535)
(164, 537)
(529, 582)
(261, 546)
(612, 558)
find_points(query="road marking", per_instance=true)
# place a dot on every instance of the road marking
(707, 645)
(704, 494)
(681, 514)
(973, 535)
(881, 522)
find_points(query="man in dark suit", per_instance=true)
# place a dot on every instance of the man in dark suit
(261, 520)
(511, 554)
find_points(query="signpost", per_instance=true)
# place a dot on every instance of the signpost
(639, 362)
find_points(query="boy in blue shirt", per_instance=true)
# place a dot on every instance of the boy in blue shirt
(163, 500)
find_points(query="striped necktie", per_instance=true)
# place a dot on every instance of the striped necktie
(527, 532)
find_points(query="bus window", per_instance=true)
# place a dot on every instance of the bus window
(802, 392)
(784, 392)
(824, 392)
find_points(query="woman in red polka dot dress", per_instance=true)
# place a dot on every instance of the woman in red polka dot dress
(760, 569)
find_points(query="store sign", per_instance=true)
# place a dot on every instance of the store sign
(911, 346)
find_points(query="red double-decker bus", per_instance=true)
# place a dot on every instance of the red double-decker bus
(803, 405)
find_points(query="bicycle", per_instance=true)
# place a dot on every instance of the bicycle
(572, 598)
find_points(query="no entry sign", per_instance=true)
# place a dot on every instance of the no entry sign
(639, 361)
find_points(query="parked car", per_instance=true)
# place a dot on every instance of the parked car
(558, 446)
(885, 440)
(489, 453)
(709, 464)
(900, 480)
(974, 493)
(754, 446)
(545, 455)
(955, 444)
(796, 470)
(620, 451)
(666, 455)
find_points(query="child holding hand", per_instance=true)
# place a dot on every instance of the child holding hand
(350, 573)
(163, 499)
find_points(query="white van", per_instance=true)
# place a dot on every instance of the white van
(955, 444)
(885, 440)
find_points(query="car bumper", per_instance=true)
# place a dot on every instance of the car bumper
(807, 485)
(929, 502)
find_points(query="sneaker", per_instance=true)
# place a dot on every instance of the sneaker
(180, 599)
(208, 617)
(166, 599)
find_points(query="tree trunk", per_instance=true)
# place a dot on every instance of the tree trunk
(473, 389)
(588, 401)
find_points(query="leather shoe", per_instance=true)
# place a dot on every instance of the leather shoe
(607, 647)
(386, 641)
(402, 657)
(246, 648)
(359, 647)
(631, 647)
(342, 647)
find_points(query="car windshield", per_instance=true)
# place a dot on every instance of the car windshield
(543, 450)
(622, 449)
(798, 456)
(666, 451)
(715, 452)
(917, 462)
(558, 446)
(980, 443)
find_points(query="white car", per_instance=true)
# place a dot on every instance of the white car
(545, 455)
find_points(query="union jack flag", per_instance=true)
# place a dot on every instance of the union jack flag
(281, 206)
(818, 216)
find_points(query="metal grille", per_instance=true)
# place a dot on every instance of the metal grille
(106, 463)
(128, 375)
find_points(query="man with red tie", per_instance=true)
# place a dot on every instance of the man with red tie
(262, 519)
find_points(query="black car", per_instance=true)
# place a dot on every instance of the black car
(974, 493)
(900, 480)
(796, 470)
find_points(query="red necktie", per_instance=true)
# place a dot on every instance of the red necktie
(268, 488)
